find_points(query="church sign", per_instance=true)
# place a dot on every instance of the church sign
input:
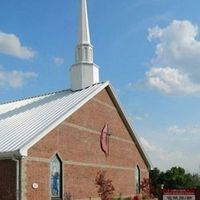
(179, 194)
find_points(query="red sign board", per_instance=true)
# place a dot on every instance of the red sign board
(179, 194)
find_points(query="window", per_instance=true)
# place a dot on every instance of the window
(56, 177)
(137, 179)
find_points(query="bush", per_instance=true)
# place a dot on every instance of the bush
(120, 198)
(105, 187)
(117, 197)
(145, 189)
(67, 196)
(136, 198)
(127, 198)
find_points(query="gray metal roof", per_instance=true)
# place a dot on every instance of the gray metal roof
(24, 122)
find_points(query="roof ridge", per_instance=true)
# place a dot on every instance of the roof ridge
(35, 96)
(45, 94)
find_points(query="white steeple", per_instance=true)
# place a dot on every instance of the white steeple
(84, 34)
(84, 72)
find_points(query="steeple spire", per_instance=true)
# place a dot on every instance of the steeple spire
(84, 72)
(84, 34)
(84, 49)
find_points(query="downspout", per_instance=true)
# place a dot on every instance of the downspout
(17, 178)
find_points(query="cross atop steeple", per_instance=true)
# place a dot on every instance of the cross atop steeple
(84, 72)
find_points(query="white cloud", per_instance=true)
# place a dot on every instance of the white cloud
(176, 130)
(137, 85)
(140, 117)
(189, 131)
(175, 68)
(147, 145)
(195, 129)
(171, 81)
(11, 45)
(14, 79)
(177, 45)
(164, 158)
(58, 60)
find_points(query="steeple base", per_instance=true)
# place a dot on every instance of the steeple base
(83, 75)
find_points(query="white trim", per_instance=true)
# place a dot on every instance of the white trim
(10, 154)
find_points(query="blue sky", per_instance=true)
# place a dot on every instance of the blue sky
(148, 49)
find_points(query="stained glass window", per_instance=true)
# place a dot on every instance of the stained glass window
(137, 179)
(56, 178)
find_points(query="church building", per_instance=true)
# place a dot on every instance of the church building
(54, 144)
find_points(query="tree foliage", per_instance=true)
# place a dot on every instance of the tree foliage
(176, 178)
(105, 187)
(145, 189)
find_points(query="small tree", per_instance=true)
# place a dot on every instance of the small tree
(68, 196)
(105, 187)
(145, 188)
(136, 197)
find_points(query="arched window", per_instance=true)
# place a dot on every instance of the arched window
(137, 179)
(56, 177)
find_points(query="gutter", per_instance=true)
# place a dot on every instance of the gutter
(10, 154)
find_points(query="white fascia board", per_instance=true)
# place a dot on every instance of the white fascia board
(129, 126)
(24, 149)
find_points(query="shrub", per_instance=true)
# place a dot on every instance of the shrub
(67, 196)
(145, 189)
(117, 197)
(105, 187)
(127, 198)
(136, 197)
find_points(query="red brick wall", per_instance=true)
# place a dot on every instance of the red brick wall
(38, 172)
(7, 180)
(77, 141)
